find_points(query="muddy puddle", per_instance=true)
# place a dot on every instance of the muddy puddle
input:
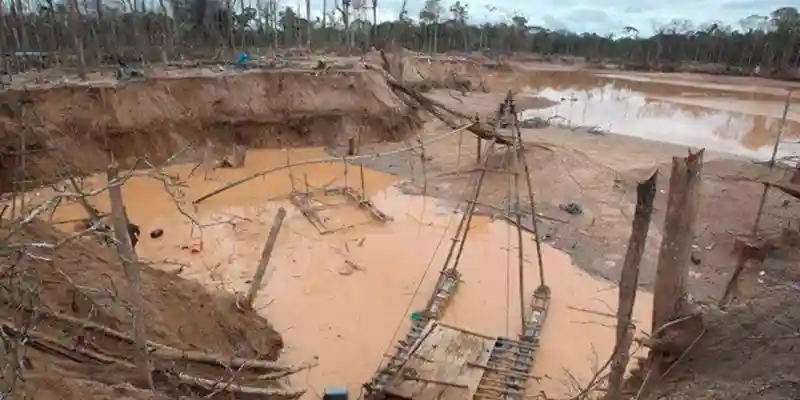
(344, 298)
(673, 120)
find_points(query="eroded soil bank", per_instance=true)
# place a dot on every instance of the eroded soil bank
(53, 293)
(75, 127)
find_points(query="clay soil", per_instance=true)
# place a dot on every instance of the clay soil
(74, 127)
(84, 280)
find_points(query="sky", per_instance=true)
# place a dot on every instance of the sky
(600, 16)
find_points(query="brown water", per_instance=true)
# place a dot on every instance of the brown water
(728, 122)
(347, 318)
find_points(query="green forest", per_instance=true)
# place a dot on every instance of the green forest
(94, 30)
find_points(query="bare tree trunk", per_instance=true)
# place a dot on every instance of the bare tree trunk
(670, 299)
(374, 21)
(628, 282)
(229, 17)
(75, 27)
(130, 264)
(324, 14)
(673, 260)
(169, 40)
(309, 25)
(23, 29)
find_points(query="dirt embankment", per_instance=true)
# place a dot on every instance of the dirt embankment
(83, 280)
(465, 73)
(749, 352)
(76, 126)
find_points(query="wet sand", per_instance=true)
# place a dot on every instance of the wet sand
(744, 85)
(347, 318)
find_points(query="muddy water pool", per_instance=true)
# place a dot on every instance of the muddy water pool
(681, 114)
(344, 298)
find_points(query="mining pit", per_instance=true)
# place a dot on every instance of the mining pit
(344, 283)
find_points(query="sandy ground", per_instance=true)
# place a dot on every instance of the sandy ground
(750, 85)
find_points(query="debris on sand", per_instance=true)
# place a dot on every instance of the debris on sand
(571, 208)
(73, 331)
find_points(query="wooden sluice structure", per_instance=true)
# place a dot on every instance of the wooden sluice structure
(508, 370)
(444, 291)
(437, 361)
(311, 208)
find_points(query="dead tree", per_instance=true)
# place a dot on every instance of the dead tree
(628, 282)
(676, 323)
(130, 264)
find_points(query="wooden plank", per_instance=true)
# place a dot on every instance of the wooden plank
(440, 367)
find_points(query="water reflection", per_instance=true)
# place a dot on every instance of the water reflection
(614, 107)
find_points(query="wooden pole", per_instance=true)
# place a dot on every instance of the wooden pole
(344, 161)
(672, 270)
(531, 197)
(289, 166)
(239, 156)
(261, 272)
(208, 161)
(628, 282)
(781, 127)
(363, 184)
(22, 169)
(130, 264)
(520, 247)
(478, 158)
(741, 262)
(351, 146)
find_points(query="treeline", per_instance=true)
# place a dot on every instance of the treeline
(99, 31)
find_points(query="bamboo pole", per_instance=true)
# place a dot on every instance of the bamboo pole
(764, 193)
(531, 197)
(130, 264)
(520, 250)
(261, 272)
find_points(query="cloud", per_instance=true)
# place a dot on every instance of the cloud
(600, 16)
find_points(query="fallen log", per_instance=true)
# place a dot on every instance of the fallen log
(218, 387)
(165, 352)
(81, 354)
(435, 108)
